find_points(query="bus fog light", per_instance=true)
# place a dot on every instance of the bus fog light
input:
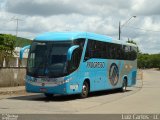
(74, 87)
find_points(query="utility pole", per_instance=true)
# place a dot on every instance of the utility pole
(120, 26)
(119, 37)
(17, 24)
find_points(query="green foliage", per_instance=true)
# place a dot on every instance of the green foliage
(7, 45)
(21, 42)
(146, 60)
(133, 42)
(149, 61)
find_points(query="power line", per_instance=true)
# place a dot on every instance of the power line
(120, 26)
(143, 29)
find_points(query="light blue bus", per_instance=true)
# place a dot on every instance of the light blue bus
(79, 63)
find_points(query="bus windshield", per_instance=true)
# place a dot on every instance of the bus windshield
(48, 59)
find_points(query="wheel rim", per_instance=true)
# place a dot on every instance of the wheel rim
(124, 86)
(84, 90)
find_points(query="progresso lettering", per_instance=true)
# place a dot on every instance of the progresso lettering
(95, 64)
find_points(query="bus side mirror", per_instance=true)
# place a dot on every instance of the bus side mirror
(22, 51)
(70, 51)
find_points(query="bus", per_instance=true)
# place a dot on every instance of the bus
(79, 63)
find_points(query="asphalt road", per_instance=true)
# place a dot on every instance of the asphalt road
(142, 98)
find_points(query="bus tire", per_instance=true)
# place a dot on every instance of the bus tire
(85, 90)
(124, 86)
(48, 95)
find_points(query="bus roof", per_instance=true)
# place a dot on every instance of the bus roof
(65, 36)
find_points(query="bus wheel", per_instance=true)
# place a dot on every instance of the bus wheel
(85, 90)
(124, 86)
(48, 95)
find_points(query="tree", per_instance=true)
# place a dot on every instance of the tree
(133, 42)
(7, 46)
(147, 60)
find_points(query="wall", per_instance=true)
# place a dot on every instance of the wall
(14, 62)
(12, 76)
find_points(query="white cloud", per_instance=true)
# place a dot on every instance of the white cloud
(99, 16)
(146, 7)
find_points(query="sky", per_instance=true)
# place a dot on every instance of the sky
(99, 16)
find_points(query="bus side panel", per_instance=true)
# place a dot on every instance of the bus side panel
(99, 77)
(132, 77)
(112, 72)
(130, 70)
(95, 70)
(74, 85)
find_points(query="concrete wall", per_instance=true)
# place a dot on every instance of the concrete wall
(14, 62)
(12, 77)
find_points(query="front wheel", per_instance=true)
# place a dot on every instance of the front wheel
(85, 90)
(48, 95)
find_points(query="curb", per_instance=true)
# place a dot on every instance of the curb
(12, 90)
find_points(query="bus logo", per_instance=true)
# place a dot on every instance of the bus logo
(113, 74)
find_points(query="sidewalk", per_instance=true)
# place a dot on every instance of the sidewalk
(11, 90)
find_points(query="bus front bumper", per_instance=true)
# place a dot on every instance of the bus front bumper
(59, 89)
(63, 89)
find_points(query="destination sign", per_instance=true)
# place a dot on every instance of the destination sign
(95, 64)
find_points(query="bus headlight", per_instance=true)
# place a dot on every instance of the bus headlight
(69, 79)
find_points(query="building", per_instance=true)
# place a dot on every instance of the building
(14, 61)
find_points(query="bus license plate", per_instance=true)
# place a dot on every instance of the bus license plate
(43, 89)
